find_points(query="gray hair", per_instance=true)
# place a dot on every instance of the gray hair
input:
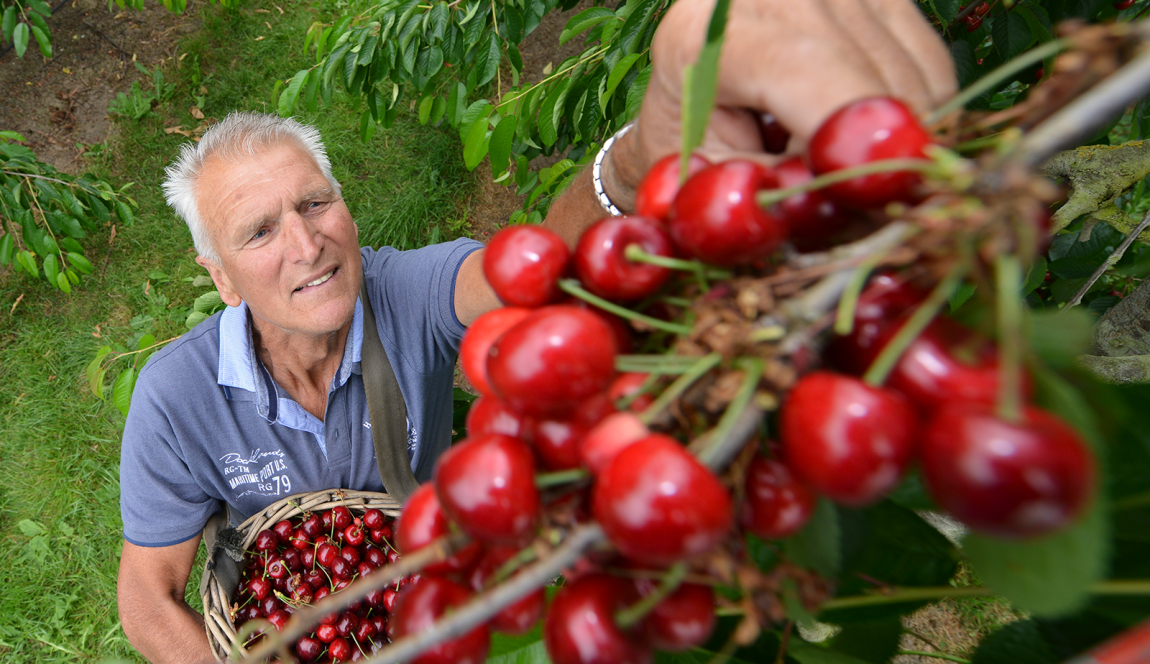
(240, 135)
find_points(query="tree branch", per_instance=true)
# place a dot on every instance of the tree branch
(1110, 262)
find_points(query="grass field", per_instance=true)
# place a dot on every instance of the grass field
(59, 446)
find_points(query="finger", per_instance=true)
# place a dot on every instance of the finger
(907, 24)
(894, 65)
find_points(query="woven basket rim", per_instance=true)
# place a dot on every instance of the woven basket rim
(218, 623)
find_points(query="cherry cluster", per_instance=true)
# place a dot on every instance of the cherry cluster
(301, 560)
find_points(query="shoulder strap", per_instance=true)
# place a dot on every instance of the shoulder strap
(387, 409)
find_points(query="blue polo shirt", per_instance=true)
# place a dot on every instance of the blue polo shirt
(208, 425)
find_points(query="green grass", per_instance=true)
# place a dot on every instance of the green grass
(59, 446)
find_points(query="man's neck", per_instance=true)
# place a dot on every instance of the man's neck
(304, 365)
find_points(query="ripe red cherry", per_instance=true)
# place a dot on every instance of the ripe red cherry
(523, 264)
(326, 554)
(847, 439)
(973, 22)
(353, 535)
(982, 9)
(864, 131)
(350, 553)
(376, 556)
(487, 486)
(812, 220)
(661, 184)
(277, 568)
(948, 363)
(421, 523)
(603, 442)
(490, 415)
(477, 343)
(683, 620)
(552, 361)
(374, 519)
(311, 526)
(284, 530)
(325, 521)
(716, 219)
(658, 504)
(1009, 479)
(619, 328)
(299, 540)
(517, 618)
(777, 504)
(580, 626)
(346, 623)
(1124, 5)
(341, 569)
(340, 517)
(259, 587)
(773, 134)
(557, 442)
(880, 305)
(267, 540)
(602, 266)
(278, 619)
(340, 650)
(326, 633)
(292, 560)
(626, 385)
(308, 648)
(389, 598)
(420, 605)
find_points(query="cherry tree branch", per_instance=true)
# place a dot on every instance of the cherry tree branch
(1110, 262)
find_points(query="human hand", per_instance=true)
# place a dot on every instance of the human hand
(799, 61)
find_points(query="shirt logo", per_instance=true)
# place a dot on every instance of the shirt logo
(256, 473)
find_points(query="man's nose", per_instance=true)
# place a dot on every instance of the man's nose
(305, 241)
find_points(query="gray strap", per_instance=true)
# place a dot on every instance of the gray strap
(224, 545)
(387, 409)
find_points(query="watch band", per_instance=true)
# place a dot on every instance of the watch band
(597, 173)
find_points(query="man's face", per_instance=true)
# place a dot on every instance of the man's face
(286, 241)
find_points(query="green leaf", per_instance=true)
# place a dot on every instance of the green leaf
(28, 262)
(616, 77)
(40, 7)
(583, 21)
(8, 23)
(122, 390)
(437, 109)
(965, 64)
(367, 51)
(145, 341)
(475, 145)
(30, 528)
(636, 91)
(1035, 276)
(499, 147)
(870, 641)
(194, 319)
(1019, 642)
(63, 282)
(1049, 576)
(456, 104)
(961, 296)
(7, 249)
(208, 302)
(487, 60)
(51, 268)
(700, 84)
(550, 111)
(43, 41)
(289, 96)
(479, 107)
(125, 213)
(809, 653)
(1059, 337)
(816, 546)
(438, 19)
(534, 652)
(95, 372)
(425, 105)
(1011, 35)
(20, 39)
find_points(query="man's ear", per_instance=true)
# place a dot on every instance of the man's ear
(223, 284)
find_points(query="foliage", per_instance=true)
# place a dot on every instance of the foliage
(137, 103)
(44, 214)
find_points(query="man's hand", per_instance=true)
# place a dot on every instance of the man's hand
(797, 60)
(155, 617)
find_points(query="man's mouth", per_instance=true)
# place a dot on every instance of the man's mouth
(318, 281)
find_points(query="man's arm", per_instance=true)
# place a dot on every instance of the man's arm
(150, 593)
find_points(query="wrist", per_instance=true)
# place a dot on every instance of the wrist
(621, 174)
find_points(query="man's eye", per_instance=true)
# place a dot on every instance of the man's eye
(260, 233)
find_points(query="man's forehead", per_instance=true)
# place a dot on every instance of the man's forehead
(235, 183)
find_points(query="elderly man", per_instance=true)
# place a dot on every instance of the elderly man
(266, 400)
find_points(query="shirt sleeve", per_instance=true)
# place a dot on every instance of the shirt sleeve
(160, 502)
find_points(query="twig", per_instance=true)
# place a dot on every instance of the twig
(967, 11)
(922, 637)
(1081, 118)
(1108, 263)
(936, 655)
(106, 37)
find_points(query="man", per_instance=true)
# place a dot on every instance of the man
(265, 400)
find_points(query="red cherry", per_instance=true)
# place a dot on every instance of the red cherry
(350, 553)
(365, 631)
(716, 219)
(517, 618)
(683, 620)
(487, 486)
(373, 519)
(376, 556)
(325, 521)
(341, 569)
(931, 373)
(278, 619)
(1009, 479)
(259, 587)
(340, 650)
(603, 268)
(284, 530)
(299, 540)
(315, 578)
(619, 328)
(847, 439)
(603, 442)
(773, 134)
(658, 504)
(311, 526)
(277, 569)
(420, 605)
(778, 505)
(580, 626)
(421, 523)
(973, 22)
(340, 517)
(477, 342)
(326, 633)
(267, 540)
(982, 9)
(326, 554)
(864, 131)
(661, 184)
(292, 560)
(490, 415)
(812, 220)
(319, 593)
(880, 305)
(1124, 5)
(626, 385)
(346, 623)
(353, 535)
(308, 648)
(557, 442)
(523, 264)
(375, 598)
(552, 361)
(389, 598)
(269, 605)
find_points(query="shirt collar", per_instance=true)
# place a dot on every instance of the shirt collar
(240, 368)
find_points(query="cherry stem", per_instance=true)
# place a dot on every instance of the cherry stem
(848, 303)
(936, 655)
(1008, 273)
(637, 254)
(772, 196)
(995, 78)
(655, 364)
(894, 595)
(572, 287)
(547, 480)
(630, 616)
(675, 389)
(512, 565)
(648, 382)
(884, 363)
(709, 446)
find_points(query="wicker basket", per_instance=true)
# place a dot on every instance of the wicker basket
(214, 590)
